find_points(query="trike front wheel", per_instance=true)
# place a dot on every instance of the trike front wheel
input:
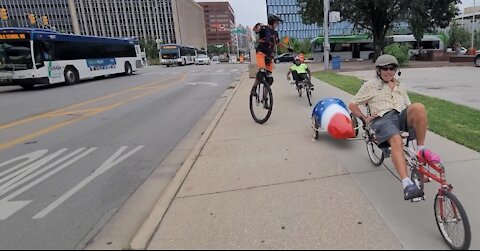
(452, 221)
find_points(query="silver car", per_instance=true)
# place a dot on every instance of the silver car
(202, 59)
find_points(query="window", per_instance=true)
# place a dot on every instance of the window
(61, 50)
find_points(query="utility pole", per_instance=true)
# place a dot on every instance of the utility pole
(238, 49)
(473, 25)
(326, 44)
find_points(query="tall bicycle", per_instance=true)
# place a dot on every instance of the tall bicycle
(451, 217)
(261, 97)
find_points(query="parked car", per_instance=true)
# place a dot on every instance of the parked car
(215, 59)
(463, 50)
(202, 59)
(286, 57)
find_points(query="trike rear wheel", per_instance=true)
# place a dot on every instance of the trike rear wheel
(374, 153)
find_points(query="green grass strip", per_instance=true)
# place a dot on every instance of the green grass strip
(455, 122)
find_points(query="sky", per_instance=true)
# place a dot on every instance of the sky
(250, 12)
(468, 3)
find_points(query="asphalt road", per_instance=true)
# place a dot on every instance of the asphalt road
(70, 156)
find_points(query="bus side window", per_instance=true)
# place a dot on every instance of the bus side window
(38, 51)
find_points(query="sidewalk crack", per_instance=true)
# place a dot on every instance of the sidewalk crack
(460, 161)
(278, 184)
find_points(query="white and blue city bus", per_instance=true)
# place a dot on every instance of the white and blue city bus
(36, 56)
(176, 54)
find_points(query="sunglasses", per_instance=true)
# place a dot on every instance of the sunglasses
(388, 68)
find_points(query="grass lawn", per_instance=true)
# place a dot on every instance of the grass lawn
(455, 122)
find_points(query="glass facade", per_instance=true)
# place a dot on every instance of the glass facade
(295, 28)
(56, 10)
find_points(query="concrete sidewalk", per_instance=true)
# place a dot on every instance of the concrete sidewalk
(270, 187)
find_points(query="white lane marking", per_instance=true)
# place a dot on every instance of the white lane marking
(148, 74)
(29, 157)
(206, 73)
(8, 208)
(114, 160)
(202, 83)
(26, 176)
(27, 170)
(220, 71)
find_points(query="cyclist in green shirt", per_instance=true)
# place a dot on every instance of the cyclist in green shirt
(300, 72)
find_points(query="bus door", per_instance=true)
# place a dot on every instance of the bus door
(356, 50)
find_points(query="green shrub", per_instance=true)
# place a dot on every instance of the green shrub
(398, 51)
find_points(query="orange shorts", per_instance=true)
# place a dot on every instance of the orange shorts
(261, 62)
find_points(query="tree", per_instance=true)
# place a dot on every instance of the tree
(477, 39)
(424, 16)
(150, 48)
(458, 35)
(378, 16)
(214, 50)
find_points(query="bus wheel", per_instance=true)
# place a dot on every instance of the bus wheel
(128, 68)
(71, 75)
(28, 86)
(370, 56)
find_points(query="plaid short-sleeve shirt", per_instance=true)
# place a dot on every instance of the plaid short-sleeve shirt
(380, 98)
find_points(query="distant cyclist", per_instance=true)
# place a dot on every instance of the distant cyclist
(300, 72)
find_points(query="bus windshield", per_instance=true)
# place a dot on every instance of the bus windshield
(169, 53)
(15, 55)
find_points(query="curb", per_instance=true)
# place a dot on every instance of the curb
(143, 237)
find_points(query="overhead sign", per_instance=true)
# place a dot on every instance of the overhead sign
(239, 31)
(335, 17)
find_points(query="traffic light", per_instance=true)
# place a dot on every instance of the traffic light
(45, 20)
(32, 18)
(3, 14)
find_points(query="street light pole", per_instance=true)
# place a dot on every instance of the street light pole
(326, 44)
(238, 49)
(473, 25)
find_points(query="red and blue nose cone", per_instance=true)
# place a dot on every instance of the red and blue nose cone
(334, 117)
(341, 127)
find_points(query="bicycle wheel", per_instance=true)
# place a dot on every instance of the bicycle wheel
(309, 95)
(374, 153)
(452, 221)
(261, 102)
(355, 124)
(316, 127)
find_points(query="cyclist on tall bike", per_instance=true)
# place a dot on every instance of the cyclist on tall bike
(268, 39)
(393, 112)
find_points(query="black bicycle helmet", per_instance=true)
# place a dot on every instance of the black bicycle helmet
(273, 18)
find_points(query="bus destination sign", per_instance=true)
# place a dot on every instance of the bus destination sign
(13, 36)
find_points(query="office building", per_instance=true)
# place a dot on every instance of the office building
(219, 21)
(167, 21)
